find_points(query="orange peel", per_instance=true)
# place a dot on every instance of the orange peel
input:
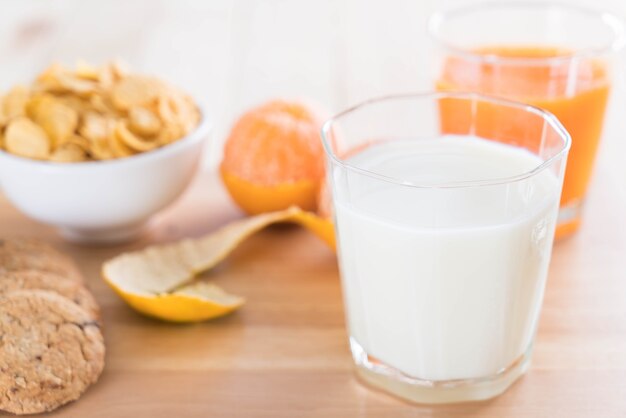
(158, 281)
(255, 198)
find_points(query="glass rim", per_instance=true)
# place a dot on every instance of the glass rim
(548, 117)
(612, 21)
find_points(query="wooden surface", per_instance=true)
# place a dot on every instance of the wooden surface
(285, 353)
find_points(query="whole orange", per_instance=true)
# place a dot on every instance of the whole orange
(273, 157)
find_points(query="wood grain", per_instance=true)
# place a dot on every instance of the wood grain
(285, 353)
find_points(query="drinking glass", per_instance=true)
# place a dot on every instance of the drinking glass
(445, 207)
(555, 56)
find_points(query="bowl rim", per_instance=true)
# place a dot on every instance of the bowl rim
(197, 135)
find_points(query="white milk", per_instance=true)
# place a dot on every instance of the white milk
(444, 283)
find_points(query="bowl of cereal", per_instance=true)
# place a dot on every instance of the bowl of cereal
(96, 151)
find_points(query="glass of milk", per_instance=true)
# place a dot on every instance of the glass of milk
(445, 207)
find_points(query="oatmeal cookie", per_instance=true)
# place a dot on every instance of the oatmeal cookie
(50, 351)
(42, 280)
(29, 254)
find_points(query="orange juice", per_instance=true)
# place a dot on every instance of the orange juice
(575, 91)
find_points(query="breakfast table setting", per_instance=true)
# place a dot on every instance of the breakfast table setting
(286, 351)
(456, 251)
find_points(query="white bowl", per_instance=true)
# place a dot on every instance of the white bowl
(103, 201)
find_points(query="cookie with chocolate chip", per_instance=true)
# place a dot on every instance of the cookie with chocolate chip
(51, 351)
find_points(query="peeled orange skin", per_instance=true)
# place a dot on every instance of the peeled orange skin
(175, 307)
(159, 280)
(273, 158)
(323, 228)
(255, 199)
(252, 200)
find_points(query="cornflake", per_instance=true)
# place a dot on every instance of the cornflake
(93, 113)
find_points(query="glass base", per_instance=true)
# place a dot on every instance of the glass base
(568, 220)
(380, 376)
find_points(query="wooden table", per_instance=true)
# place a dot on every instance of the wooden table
(285, 353)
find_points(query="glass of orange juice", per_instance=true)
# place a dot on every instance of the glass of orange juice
(557, 57)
